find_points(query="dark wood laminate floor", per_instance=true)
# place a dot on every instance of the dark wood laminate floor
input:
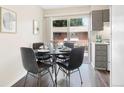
(90, 77)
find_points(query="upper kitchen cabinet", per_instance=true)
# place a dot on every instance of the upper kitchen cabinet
(106, 15)
(98, 19)
(97, 22)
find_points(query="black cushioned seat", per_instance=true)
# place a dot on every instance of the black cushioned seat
(75, 61)
(31, 64)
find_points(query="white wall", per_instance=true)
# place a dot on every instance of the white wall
(77, 10)
(118, 45)
(11, 69)
(67, 11)
(47, 29)
(99, 7)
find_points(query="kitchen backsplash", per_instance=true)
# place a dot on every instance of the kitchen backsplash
(105, 34)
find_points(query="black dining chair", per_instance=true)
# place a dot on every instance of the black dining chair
(65, 57)
(73, 64)
(32, 66)
(41, 56)
(69, 44)
(38, 45)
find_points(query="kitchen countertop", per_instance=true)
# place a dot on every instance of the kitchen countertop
(100, 43)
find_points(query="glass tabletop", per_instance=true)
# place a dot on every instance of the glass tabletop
(58, 52)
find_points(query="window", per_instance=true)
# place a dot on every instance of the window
(76, 22)
(60, 23)
(73, 28)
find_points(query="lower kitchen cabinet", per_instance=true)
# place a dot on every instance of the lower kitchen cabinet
(100, 56)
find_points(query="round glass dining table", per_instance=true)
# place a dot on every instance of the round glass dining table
(54, 54)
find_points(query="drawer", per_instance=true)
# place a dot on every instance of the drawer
(99, 52)
(101, 47)
(101, 58)
(101, 64)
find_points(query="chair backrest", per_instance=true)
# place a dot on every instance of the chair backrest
(76, 58)
(37, 45)
(29, 60)
(69, 44)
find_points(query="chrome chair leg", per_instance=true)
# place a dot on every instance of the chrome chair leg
(25, 79)
(52, 66)
(69, 77)
(51, 77)
(66, 79)
(58, 71)
(38, 80)
(80, 76)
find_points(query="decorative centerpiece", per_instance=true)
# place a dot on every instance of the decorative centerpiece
(54, 43)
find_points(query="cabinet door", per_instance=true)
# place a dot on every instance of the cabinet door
(101, 58)
(101, 47)
(97, 20)
(106, 15)
(101, 65)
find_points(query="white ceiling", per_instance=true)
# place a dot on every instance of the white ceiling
(58, 6)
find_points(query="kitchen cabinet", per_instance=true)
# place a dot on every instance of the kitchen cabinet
(100, 56)
(106, 15)
(97, 22)
(98, 19)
